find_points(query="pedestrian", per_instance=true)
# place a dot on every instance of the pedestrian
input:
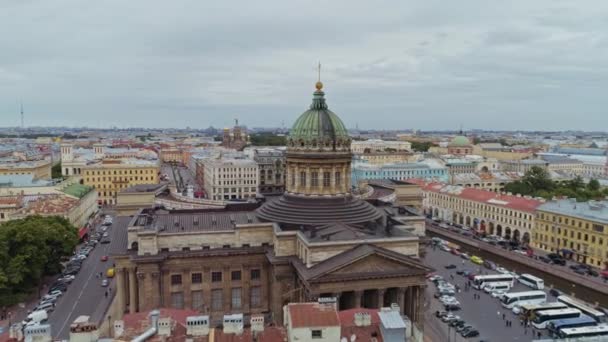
(539, 334)
(106, 294)
(506, 323)
(525, 331)
(503, 316)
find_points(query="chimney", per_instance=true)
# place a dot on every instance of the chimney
(197, 325)
(257, 323)
(233, 324)
(119, 328)
(362, 319)
(164, 326)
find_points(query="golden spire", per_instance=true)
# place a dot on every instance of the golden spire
(319, 84)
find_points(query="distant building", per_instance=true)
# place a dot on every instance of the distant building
(428, 170)
(236, 138)
(377, 145)
(509, 216)
(574, 229)
(38, 169)
(226, 179)
(272, 171)
(460, 146)
(523, 165)
(110, 176)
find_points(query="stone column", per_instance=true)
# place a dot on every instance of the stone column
(308, 179)
(381, 293)
(358, 295)
(120, 289)
(142, 301)
(154, 285)
(420, 308)
(400, 297)
(187, 286)
(132, 291)
(337, 296)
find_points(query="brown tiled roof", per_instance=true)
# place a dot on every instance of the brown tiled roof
(198, 222)
(320, 270)
(364, 334)
(312, 315)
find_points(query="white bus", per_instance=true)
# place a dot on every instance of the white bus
(545, 317)
(529, 310)
(532, 281)
(599, 316)
(598, 330)
(509, 300)
(480, 281)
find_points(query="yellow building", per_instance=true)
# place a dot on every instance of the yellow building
(576, 229)
(39, 169)
(382, 158)
(109, 177)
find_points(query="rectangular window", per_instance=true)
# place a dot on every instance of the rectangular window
(177, 300)
(255, 297)
(302, 178)
(236, 298)
(197, 300)
(255, 274)
(216, 277)
(176, 279)
(235, 275)
(197, 278)
(216, 299)
(316, 333)
(326, 179)
(314, 179)
(338, 178)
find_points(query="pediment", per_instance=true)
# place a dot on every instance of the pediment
(371, 264)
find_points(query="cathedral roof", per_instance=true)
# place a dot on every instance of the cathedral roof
(318, 126)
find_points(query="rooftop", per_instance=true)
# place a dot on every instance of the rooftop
(143, 188)
(484, 196)
(309, 315)
(202, 221)
(77, 190)
(10, 181)
(596, 211)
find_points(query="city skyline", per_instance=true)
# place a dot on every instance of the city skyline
(518, 66)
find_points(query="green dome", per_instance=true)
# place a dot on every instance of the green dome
(460, 140)
(318, 127)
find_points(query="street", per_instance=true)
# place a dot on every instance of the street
(86, 296)
(485, 313)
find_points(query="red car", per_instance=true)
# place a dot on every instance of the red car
(104, 258)
(455, 251)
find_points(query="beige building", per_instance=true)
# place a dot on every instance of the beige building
(226, 179)
(272, 171)
(133, 198)
(511, 217)
(383, 158)
(39, 169)
(110, 176)
(578, 230)
(378, 145)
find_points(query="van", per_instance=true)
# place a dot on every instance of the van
(38, 316)
(497, 286)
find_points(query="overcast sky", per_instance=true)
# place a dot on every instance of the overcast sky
(539, 64)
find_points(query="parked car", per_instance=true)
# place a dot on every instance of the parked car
(470, 333)
(451, 307)
(464, 327)
(104, 258)
(450, 267)
(592, 272)
(440, 314)
(580, 271)
(544, 259)
(105, 282)
(465, 256)
(477, 260)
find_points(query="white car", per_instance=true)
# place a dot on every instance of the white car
(502, 270)
(497, 293)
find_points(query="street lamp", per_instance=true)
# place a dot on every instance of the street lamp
(109, 326)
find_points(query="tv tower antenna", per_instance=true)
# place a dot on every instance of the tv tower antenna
(21, 116)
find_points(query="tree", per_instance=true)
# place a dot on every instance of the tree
(421, 146)
(31, 248)
(538, 178)
(56, 171)
(593, 185)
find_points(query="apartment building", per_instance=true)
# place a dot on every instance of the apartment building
(576, 229)
(226, 179)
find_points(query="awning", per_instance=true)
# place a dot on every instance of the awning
(83, 231)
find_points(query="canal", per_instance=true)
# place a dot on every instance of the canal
(551, 281)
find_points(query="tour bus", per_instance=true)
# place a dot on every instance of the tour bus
(578, 322)
(509, 300)
(480, 281)
(529, 310)
(532, 281)
(544, 317)
(599, 316)
(571, 333)
(504, 286)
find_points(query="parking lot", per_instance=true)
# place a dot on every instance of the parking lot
(485, 314)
